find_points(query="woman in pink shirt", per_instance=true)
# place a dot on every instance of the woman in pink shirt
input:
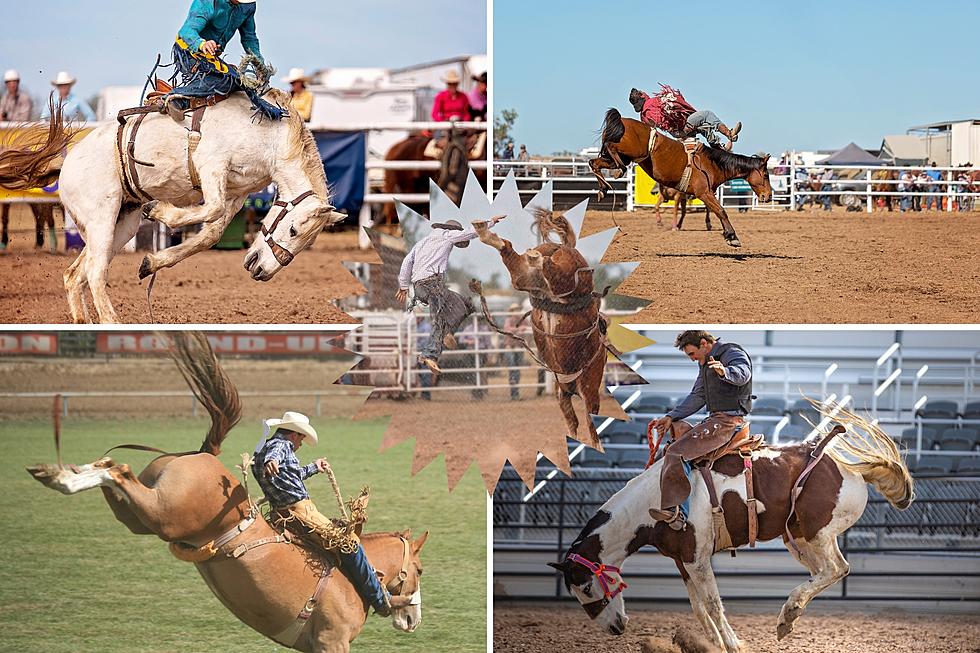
(451, 104)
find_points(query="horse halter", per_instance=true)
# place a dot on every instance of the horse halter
(403, 574)
(601, 572)
(283, 255)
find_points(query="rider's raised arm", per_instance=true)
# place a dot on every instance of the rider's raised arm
(738, 368)
(199, 15)
(250, 41)
(307, 471)
(462, 236)
(692, 403)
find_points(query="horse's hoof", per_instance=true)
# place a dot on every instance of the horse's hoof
(148, 208)
(782, 630)
(145, 270)
(734, 242)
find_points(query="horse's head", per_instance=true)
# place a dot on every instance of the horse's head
(565, 271)
(758, 179)
(596, 585)
(289, 228)
(407, 583)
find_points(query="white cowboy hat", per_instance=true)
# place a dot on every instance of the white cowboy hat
(297, 422)
(295, 75)
(452, 77)
(62, 78)
(11, 76)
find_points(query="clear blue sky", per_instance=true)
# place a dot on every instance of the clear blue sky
(803, 75)
(108, 42)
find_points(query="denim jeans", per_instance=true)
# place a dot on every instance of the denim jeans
(361, 575)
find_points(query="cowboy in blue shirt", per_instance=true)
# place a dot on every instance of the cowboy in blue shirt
(72, 106)
(280, 475)
(209, 27)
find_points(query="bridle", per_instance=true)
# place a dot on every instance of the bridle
(403, 574)
(611, 586)
(283, 255)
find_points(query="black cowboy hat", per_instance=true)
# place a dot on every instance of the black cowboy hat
(482, 77)
(452, 225)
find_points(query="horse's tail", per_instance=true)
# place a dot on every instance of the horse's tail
(866, 450)
(30, 159)
(199, 366)
(546, 222)
(613, 128)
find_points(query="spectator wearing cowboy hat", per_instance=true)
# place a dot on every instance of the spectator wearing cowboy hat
(424, 268)
(15, 106)
(300, 97)
(451, 103)
(279, 474)
(477, 98)
(72, 106)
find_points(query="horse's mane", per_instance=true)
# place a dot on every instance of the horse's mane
(303, 145)
(546, 222)
(197, 363)
(732, 164)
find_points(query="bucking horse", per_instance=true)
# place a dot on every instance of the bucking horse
(790, 491)
(569, 331)
(197, 172)
(692, 168)
(287, 591)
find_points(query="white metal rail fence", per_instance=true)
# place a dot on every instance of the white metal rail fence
(569, 175)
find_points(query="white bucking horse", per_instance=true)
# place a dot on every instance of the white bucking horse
(198, 172)
(832, 499)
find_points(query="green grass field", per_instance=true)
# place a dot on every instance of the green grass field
(74, 579)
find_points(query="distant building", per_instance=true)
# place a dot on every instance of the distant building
(903, 150)
(950, 143)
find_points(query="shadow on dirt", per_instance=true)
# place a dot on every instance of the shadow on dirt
(736, 257)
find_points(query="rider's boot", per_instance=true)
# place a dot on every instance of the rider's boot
(431, 363)
(449, 341)
(174, 107)
(672, 517)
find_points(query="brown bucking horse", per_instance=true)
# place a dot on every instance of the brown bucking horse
(569, 331)
(665, 160)
(273, 583)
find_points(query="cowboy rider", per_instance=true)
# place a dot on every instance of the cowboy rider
(280, 475)
(724, 385)
(209, 26)
(424, 268)
(669, 111)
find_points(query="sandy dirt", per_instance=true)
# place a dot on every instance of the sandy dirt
(806, 267)
(520, 628)
(211, 287)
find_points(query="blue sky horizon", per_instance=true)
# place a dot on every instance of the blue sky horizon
(798, 76)
(115, 42)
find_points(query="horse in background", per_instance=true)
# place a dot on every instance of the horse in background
(568, 329)
(680, 200)
(665, 160)
(269, 581)
(833, 498)
(882, 185)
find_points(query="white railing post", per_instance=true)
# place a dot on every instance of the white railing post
(630, 176)
(950, 194)
(870, 200)
(792, 182)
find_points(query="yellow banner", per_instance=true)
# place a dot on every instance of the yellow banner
(12, 134)
(644, 194)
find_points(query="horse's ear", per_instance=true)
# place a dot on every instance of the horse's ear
(560, 566)
(417, 544)
(766, 159)
(407, 534)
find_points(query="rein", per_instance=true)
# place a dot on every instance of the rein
(611, 586)
(283, 255)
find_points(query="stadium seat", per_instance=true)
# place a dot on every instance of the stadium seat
(908, 437)
(972, 410)
(594, 460)
(634, 458)
(620, 437)
(936, 465)
(940, 409)
(969, 466)
(651, 403)
(769, 406)
(802, 411)
(794, 432)
(972, 434)
(953, 440)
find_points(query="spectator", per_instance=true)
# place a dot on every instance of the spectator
(933, 187)
(964, 202)
(508, 152)
(921, 184)
(15, 106)
(523, 155)
(71, 106)
(450, 104)
(513, 359)
(826, 184)
(477, 98)
(299, 96)
(802, 181)
(905, 184)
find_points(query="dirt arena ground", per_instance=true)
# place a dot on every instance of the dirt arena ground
(806, 267)
(209, 288)
(527, 628)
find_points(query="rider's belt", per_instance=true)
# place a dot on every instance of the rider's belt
(218, 64)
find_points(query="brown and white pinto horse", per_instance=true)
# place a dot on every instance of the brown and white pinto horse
(626, 141)
(569, 331)
(192, 501)
(833, 498)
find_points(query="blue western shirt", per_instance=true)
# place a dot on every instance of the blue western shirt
(738, 371)
(287, 487)
(71, 107)
(218, 20)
